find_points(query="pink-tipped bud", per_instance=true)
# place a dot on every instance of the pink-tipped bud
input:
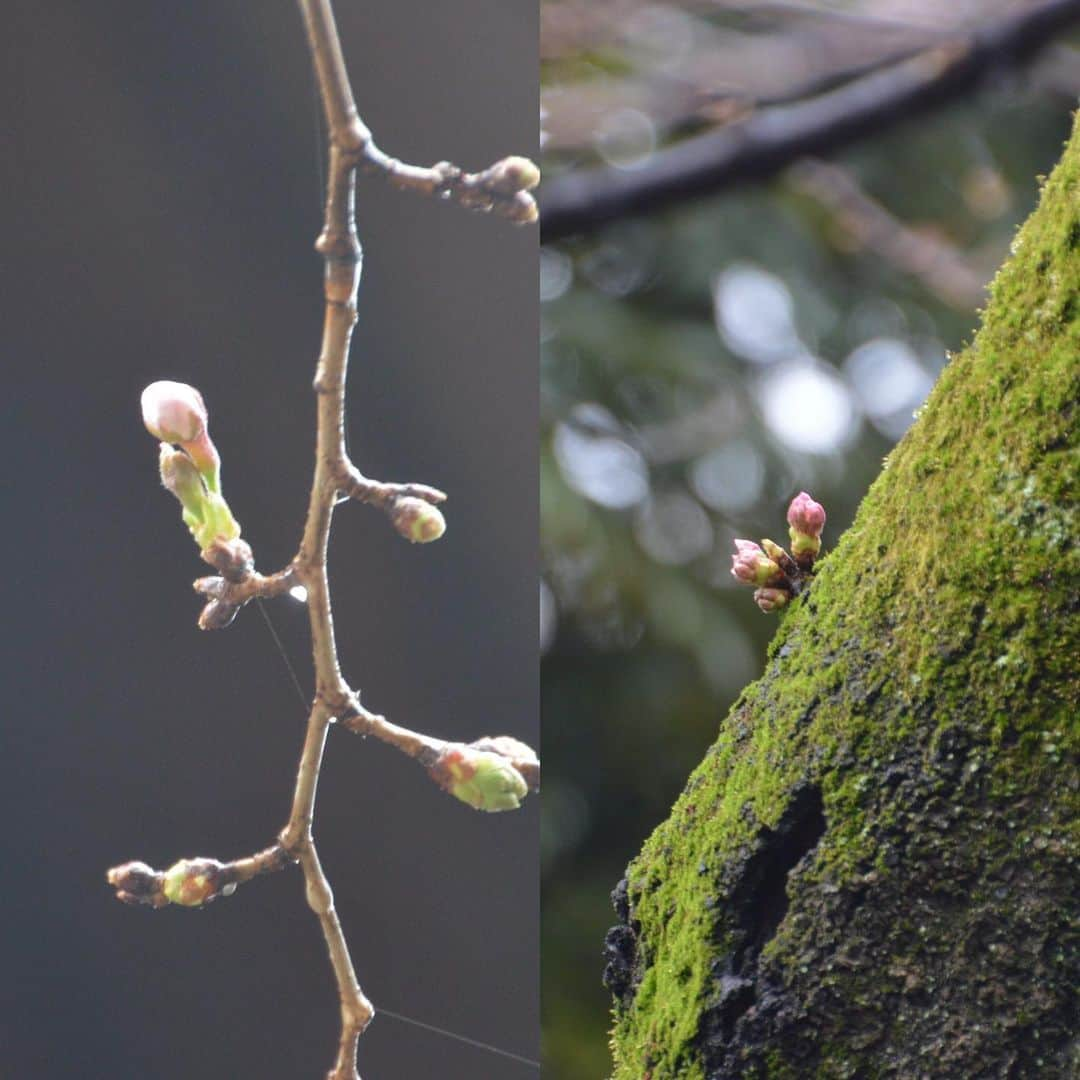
(771, 599)
(173, 412)
(176, 413)
(752, 566)
(806, 516)
(806, 519)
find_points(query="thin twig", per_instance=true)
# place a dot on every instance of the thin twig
(769, 140)
(502, 188)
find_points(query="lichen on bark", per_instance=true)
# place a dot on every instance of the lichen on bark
(873, 873)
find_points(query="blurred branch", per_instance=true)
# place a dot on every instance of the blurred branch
(771, 139)
(567, 28)
(921, 253)
(720, 74)
(801, 9)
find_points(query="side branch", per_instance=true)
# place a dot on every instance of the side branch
(769, 140)
(489, 777)
(192, 882)
(492, 773)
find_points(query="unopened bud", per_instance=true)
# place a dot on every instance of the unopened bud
(213, 588)
(521, 209)
(484, 780)
(806, 516)
(176, 413)
(182, 479)
(513, 174)
(417, 520)
(173, 412)
(520, 755)
(192, 882)
(806, 519)
(137, 883)
(217, 614)
(205, 512)
(752, 566)
(771, 599)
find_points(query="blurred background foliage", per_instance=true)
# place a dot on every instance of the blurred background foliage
(702, 365)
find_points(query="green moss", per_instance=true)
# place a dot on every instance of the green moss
(949, 606)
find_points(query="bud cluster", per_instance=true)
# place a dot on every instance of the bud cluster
(503, 188)
(776, 575)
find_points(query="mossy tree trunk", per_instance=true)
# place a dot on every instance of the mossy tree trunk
(873, 873)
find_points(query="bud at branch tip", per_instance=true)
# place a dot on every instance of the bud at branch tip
(417, 520)
(483, 779)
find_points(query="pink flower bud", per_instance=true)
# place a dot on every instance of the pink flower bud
(752, 566)
(806, 516)
(806, 519)
(771, 599)
(173, 412)
(485, 780)
(176, 413)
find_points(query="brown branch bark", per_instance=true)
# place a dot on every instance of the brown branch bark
(769, 140)
(492, 774)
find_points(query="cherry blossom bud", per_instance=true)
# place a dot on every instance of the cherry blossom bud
(806, 516)
(520, 755)
(417, 520)
(771, 599)
(176, 413)
(513, 174)
(206, 513)
(137, 883)
(806, 519)
(192, 882)
(752, 566)
(484, 780)
(173, 412)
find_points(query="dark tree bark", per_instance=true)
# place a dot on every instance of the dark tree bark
(873, 873)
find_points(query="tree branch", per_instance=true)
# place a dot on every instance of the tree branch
(492, 774)
(769, 140)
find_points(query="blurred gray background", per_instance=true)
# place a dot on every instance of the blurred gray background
(161, 189)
